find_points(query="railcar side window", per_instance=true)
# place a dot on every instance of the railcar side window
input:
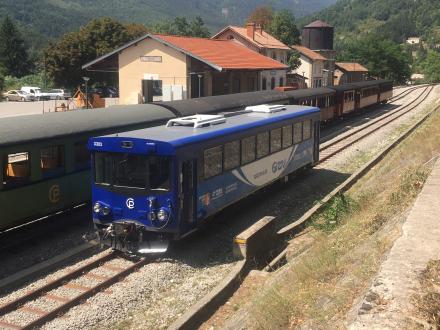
(247, 150)
(262, 144)
(52, 160)
(307, 129)
(82, 155)
(275, 140)
(287, 136)
(17, 169)
(212, 161)
(297, 132)
(231, 155)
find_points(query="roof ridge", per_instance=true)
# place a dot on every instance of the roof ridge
(187, 37)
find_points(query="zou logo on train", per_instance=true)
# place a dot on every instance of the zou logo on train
(278, 166)
(54, 194)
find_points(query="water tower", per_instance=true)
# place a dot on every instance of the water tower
(318, 36)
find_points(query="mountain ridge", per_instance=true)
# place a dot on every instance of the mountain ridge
(51, 18)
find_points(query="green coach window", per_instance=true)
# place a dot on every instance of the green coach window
(82, 155)
(16, 170)
(52, 160)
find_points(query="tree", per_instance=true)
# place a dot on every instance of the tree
(431, 66)
(135, 30)
(294, 61)
(181, 27)
(198, 28)
(283, 27)
(382, 57)
(13, 53)
(65, 57)
(261, 15)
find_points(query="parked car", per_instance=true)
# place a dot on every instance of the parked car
(106, 91)
(59, 94)
(36, 92)
(18, 95)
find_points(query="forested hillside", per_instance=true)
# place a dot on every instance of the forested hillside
(393, 19)
(42, 19)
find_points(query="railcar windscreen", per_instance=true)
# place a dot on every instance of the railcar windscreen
(132, 171)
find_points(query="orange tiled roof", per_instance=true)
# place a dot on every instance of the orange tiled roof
(222, 54)
(308, 53)
(261, 40)
(351, 67)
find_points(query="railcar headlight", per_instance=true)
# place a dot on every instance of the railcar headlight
(105, 210)
(162, 215)
(97, 207)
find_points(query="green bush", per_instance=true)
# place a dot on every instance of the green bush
(333, 213)
(37, 80)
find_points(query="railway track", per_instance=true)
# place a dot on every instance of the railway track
(404, 93)
(56, 297)
(335, 146)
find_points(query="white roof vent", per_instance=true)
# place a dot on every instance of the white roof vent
(266, 108)
(197, 121)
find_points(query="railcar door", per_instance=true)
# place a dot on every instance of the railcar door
(188, 193)
(316, 136)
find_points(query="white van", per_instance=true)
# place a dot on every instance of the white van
(35, 91)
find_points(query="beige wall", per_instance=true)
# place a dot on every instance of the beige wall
(312, 70)
(172, 70)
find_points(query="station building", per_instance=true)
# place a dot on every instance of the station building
(349, 72)
(162, 67)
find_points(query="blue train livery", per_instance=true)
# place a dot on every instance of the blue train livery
(159, 184)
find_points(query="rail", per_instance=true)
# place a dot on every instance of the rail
(337, 145)
(66, 281)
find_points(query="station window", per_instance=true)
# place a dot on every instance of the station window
(82, 155)
(297, 132)
(281, 81)
(17, 169)
(272, 83)
(247, 150)
(264, 83)
(275, 140)
(52, 160)
(231, 157)
(262, 144)
(307, 129)
(212, 160)
(287, 136)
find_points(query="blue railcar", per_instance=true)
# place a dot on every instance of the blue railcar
(159, 184)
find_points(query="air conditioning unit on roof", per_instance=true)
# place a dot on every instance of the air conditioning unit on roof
(197, 121)
(266, 108)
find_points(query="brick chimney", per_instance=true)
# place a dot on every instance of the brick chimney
(250, 30)
(259, 29)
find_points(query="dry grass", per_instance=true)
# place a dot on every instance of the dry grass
(319, 288)
(427, 302)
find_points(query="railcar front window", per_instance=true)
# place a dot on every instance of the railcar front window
(130, 171)
(159, 173)
(103, 168)
(133, 171)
